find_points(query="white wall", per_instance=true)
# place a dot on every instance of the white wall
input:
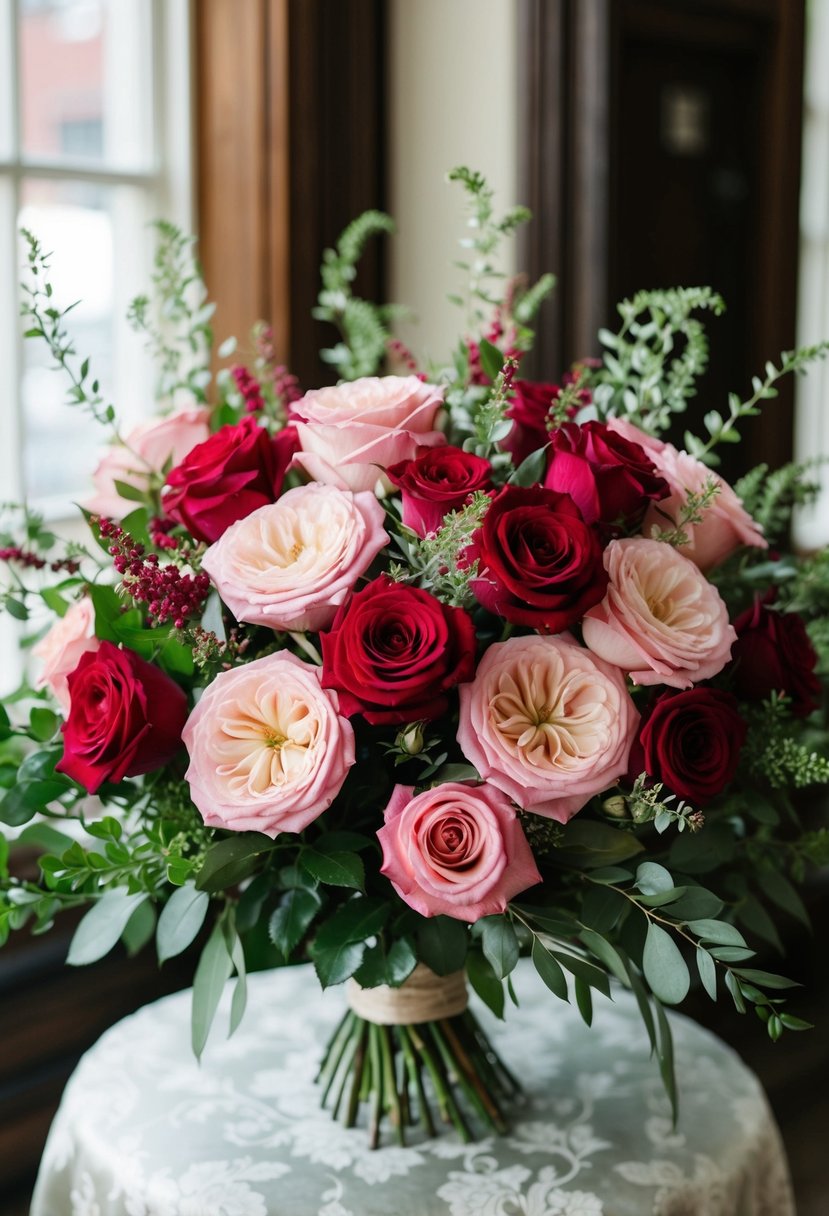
(453, 101)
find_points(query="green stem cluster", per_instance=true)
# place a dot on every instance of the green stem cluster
(412, 1074)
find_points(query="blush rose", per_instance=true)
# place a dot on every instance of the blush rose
(351, 433)
(269, 750)
(291, 564)
(455, 850)
(547, 722)
(61, 648)
(691, 741)
(539, 563)
(661, 620)
(436, 482)
(149, 447)
(125, 718)
(393, 652)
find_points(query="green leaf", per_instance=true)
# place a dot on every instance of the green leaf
(485, 982)
(16, 609)
(588, 844)
(642, 1001)
(130, 492)
(717, 931)
(354, 921)
(337, 964)
(602, 908)
(611, 874)
(180, 920)
(707, 972)
(731, 954)
(335, 869)
(229, 861)
(653, 879)
(751, 913)
(214, 969)
(139, 928)
(290, 921)
(781, 892)
(44, 836)
(342, 842)
(665, 1055)
(733, 986)
(492, 361)
(239, 1000)
(393, 968)
(664, 966)
(584, 970)
(442, 944)
(102, 926)
(606, 953)
(584, 1001)
(500, 945)
(531, 470)
(549, 969)
(765, 979)
(696, 903)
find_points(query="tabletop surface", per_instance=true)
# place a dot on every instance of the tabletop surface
(143, 1130)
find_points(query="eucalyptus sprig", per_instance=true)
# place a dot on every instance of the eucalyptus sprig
(436, 562)
(47, 322)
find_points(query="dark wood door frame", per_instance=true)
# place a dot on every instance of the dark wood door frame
(568, 78)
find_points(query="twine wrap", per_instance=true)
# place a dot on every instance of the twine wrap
(424, 997)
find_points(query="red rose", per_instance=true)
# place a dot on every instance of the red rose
(232, 473)
(610, 479)
(773, 653)
(125, 718)
(435, 482)
(690, 741)
(540, 564)
(529, 409)
(394, 651)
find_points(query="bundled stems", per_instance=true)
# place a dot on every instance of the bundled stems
(411, 1074)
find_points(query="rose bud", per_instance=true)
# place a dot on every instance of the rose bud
(231, 474)
(436, 482)
(393, 652)
(125, 718)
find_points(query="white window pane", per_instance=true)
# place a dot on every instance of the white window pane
(6, 81)
(98, 239)
(86, 81)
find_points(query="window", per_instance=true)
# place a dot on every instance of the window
(95, 142)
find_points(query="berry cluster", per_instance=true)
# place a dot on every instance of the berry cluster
(25, 557)
(168, 594)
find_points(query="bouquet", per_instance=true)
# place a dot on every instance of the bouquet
(420, 672)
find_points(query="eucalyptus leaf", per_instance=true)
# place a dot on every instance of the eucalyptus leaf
(707, 969)
(102, 926)
(214, 969)
(500, 945)
(717, 931)
(664, 967)
(653, 879)
(549, 968)
(180, 921)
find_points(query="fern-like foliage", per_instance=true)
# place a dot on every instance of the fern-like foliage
(770, 498)
(651, 365)
(175, 316)
(363, 325)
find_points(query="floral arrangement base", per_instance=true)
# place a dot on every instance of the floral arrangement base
(442, 1070)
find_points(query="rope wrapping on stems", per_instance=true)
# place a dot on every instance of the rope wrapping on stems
(424, 997)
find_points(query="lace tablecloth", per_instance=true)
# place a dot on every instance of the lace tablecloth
(145, 1131)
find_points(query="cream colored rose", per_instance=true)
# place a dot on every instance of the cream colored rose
(547, 722)
(289, 565)
(268, 748)
(661, 620)
(147, 449)
(351, 433)
(61, 648)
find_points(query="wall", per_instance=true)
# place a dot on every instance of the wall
(453, 100)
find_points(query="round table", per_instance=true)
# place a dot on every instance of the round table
(143, 1130)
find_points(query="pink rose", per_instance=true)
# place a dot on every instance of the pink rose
(661, 620)
(147, 449)
(634, 434)
(61, 649)
(726, 525)
(351, 433)
(290, 564)
(268, 748)
(547, 722)
(455, 850)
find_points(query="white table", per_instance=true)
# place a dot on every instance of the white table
(145, 1131)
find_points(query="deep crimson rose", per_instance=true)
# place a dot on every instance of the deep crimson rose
(394, 651)
(773, 653)
(125, 718)
(539, 563)
(231, 474)
(437, 481)
(610, 479)
(691, 741)
(529, 409)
